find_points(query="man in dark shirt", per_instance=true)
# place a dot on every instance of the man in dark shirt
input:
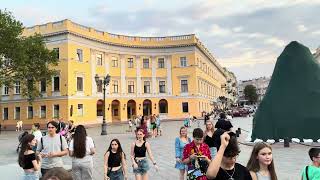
(224, 166)
(222, 123)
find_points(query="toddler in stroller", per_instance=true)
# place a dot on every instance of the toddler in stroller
(20, 137)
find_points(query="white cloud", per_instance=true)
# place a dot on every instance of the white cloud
(302, 28)
(249, 59)
(237, 29)
(274, 41)
(216, 30)
(232, 44)
(316, 32)
(231, 7)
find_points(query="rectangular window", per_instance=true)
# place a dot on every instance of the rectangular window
(162, 86)
(145, 63)
(130, 62)
(56, 83)
(185, 107)
(43, 86)
(17, 113)
(56, 110)
(17, 87)
(56, 50)
(5, 90)
(115, 86)
(99, 86)
(43, 111)
(161, 63)
(184, 85)
(80, 109)
(79, 55)
(79, 83)
(183, 61)
(99, 59)
(5, 61)
(30, 112)
(5, 113)
(114, 62)
(146, 86)
(130, 86)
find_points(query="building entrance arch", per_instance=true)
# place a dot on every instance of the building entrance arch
(115, 110)
(131, 109)
(147, 107)
(163, 106)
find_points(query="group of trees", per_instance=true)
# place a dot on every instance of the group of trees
(23, 59)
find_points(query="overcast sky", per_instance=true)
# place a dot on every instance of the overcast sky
(246, 36)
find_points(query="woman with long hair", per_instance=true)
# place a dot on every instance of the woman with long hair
(139, 158)
(180, 143)
(81, 150)
(261, 164)
(28, 160)
(208, 139)
(115, 166)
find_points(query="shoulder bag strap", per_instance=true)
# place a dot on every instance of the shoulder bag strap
(61, 142)
(307, 172)
(41, 143)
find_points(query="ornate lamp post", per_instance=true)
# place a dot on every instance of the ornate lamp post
(106, 81)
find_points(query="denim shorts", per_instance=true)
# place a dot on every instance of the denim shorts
(116, 175)
(143, 166)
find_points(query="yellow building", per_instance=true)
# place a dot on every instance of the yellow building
(171, 76)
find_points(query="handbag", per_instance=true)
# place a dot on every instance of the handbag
(109, 171)
(203, 165)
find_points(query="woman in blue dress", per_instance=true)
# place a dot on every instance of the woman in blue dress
(180, 142)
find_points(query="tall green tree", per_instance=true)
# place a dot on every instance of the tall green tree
(23, 59)
(250, 93)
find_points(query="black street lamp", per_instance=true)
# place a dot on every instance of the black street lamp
(106, 81)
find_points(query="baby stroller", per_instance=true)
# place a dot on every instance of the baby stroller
(20, 137)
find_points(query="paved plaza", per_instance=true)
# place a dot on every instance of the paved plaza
(288, 161)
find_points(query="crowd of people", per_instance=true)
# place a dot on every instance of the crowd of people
(151, 125)
(209, 154)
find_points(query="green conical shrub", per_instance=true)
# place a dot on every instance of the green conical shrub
(291, 105)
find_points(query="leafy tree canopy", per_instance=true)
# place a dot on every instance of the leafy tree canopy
(23, 59)
(250, 93)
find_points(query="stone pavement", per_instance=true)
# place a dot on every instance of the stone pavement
(288, 161)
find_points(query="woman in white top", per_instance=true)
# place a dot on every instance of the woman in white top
(81, 150)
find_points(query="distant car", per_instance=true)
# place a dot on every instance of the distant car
(240, 112)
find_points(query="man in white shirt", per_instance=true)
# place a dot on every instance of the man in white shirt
(51, 148)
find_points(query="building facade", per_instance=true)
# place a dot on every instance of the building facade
(171, 76)
(261, 85)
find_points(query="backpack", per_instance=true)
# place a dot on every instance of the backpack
(60, 143)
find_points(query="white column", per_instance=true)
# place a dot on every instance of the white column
(123, 74)
(93, 72)
(138, 66)
(169, 78)
(154, 79)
